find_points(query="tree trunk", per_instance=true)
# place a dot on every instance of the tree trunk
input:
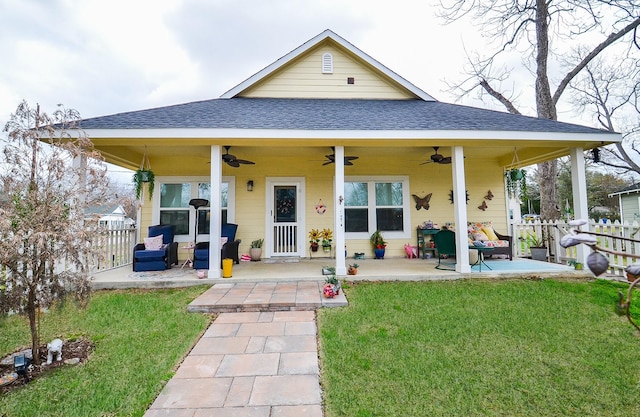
(32, 310)
(548, 180)
(546, 109)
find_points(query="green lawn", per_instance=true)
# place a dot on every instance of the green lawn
(140, 337)
(463, 348)
(470, 348)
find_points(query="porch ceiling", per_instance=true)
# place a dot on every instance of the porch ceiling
(129, 155)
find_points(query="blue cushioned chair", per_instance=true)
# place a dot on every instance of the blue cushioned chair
(229, 249)
(157, 260)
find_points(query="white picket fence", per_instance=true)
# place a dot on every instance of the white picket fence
(552, 231)
(115, 248)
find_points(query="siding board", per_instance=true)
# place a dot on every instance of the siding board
(304, 79)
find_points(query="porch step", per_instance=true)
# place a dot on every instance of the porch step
(264, 296)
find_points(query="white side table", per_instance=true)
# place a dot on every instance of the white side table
(189, 261)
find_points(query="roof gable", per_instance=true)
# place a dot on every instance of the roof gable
(299, 75)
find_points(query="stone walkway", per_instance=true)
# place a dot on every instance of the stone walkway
(251, 363)
(264, 296)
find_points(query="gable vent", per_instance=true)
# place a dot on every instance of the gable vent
(327, 63)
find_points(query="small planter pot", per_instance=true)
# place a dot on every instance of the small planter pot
(631, 277)
(352, 271)
(515, 174)
(314, 247)
(539, 254)
(255, 253)
(379, 253)
(330, 290)
(326, 249)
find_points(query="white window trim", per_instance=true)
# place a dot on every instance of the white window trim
(406, 207)
(231, 201)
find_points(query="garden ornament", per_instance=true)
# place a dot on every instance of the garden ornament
(598, 263)
(55, 347)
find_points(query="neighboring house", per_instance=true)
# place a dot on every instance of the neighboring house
(629, 202)
(111, 217)
(304, 120)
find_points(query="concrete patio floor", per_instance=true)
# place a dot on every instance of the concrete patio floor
(286, 269)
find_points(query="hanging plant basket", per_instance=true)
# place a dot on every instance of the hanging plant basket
(516, 174)
(144, 174)
(516, 178)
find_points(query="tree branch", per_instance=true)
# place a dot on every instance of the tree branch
(610, 39)
(498, 96)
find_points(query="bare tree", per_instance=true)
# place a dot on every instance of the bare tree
(46, 242)
(611, 93)
(527, 27)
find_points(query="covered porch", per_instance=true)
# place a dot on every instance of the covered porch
(305, 269)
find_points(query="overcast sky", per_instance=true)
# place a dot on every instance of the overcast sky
(103, 57)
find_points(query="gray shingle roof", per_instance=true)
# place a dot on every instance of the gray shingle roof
(629, 189)
(327, 114)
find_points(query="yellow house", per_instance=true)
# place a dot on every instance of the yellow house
(337, 141)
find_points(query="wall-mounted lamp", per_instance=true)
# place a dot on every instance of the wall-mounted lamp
(250, 185)
(596, 154)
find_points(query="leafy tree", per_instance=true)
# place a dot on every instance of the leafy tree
(46, 247)
(532, 29)
(599, 186)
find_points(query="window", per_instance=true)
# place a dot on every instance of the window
(204, 191)
(377, 204)
(174, 208)
(356, 207)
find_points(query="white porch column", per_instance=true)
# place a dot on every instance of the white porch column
(460, 209)
(338, 199)
(579, 188)
(215, 208)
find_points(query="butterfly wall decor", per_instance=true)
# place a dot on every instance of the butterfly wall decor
(489, 195)
(483, 206)
(422, 202)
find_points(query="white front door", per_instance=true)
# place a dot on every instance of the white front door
(285, 217)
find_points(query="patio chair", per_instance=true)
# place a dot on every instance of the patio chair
(156, 259)
(229, 249)
(445, 241)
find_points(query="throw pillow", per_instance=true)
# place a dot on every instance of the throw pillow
(153, 243)
(480, 236)
(488, 230)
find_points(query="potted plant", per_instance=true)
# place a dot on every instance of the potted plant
(378, 244)
(577, 265)
(314, 238)
(516, 181)
(256, 249)
(353, 269)
(537, 247)
(327, 237)
(140, 177)
(331, 287)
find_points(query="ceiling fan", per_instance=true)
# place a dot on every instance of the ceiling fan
(438, 158)
(231, 160)
(331, 159)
